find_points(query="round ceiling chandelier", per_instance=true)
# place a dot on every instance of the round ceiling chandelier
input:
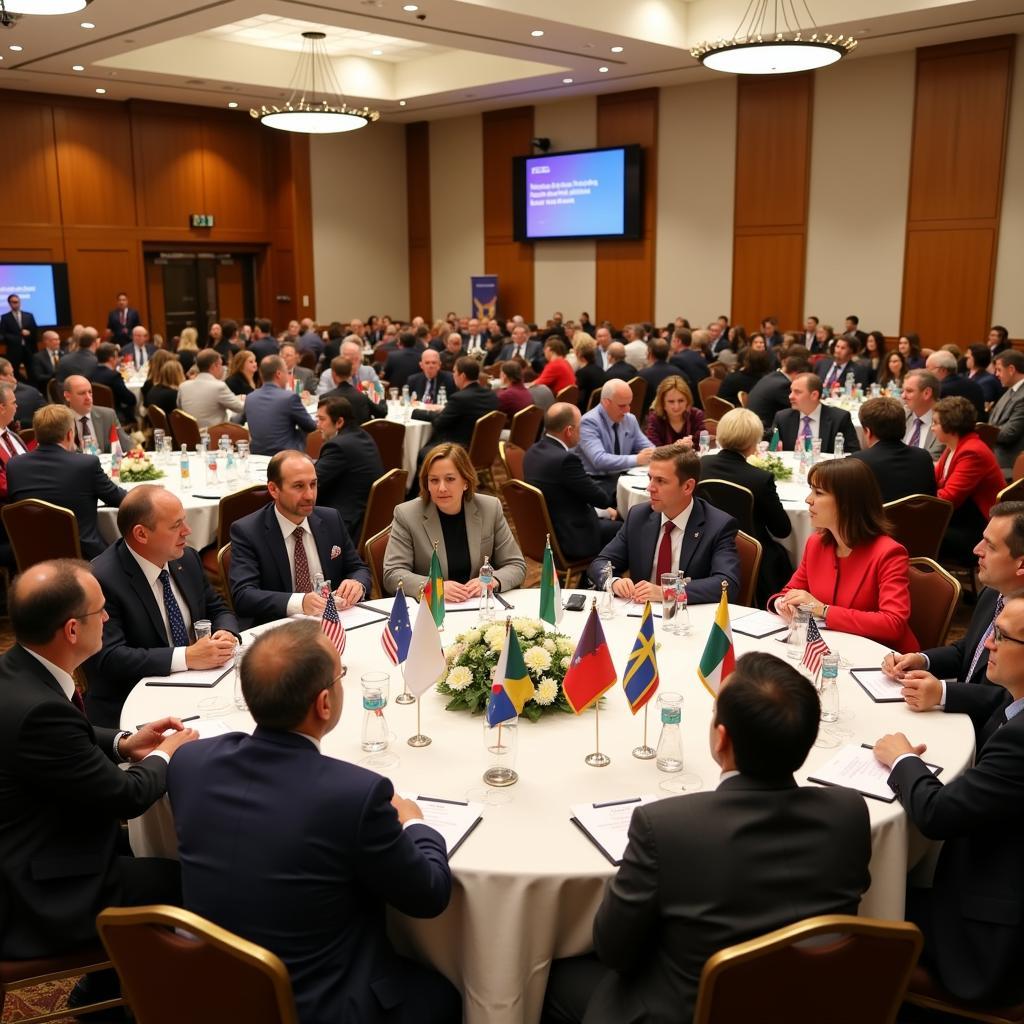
(43, 6)
(316, 105)
(770, 40)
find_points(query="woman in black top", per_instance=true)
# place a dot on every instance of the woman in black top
(164, 393)
(242, 373)
(589, 376)
(153, 367)
(754, 364)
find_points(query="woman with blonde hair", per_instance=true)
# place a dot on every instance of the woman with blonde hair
(241, 376)
(164, 393)
(673, 416)
(188, 346)
(156, 361)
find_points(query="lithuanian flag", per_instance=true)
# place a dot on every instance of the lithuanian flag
(718, 659)
(433, 592)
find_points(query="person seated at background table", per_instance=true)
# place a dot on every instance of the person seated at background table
(976, 362)
(276, 418)
(892, 372)
(403, 362)
(853, 574)
(752, 366)
(188, 348)
(11, 444)
(687, 888)
(464, 526)
(153, 367)
(872, 357)
(673, 416)
(739, 432)
(899, 469)
(427, 384)
(557, 372)
(241, 378)
(57, 473)
(618, 368)
(770, 394)
(296, 373)
(943, 364)
(27, 398)
(453, 350)
(808, 417)
(206, 397)
(673, 532)
(513, 395)
(590, 377)
(970, 917)
(1008, 412)
(92, 422)
(277, 551)
(658, 369)
(348, 465)
(156, 591)
(301, 853)
(164, 393)
(967, 475)
(363, 407)
(44, 362)
(841, 366)
(909, 346)
(106, 373)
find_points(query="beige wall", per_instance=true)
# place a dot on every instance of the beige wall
(860, 172)
(456, 211)
(564, 273)
(696, 187)
(359, 223)
(1008, 300)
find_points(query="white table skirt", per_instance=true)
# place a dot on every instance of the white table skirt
(527, 883)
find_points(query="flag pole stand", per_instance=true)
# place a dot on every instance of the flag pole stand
(644, 752)
(597, 759)
(419, 740)
(500, 775)
(405, 697)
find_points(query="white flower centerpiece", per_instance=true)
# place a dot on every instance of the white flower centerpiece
(773, 464)
(473, 657)
(136, 467)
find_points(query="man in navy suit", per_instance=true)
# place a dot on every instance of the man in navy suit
(301, 853)
(428, 382)
(808, 417)
(521, 345)
(403, 362)
(275, 415)
(277, 551)
(156, 590)
(44, 362)
(140, 349)
(672, 532)
(122, 320)
(263, 342)
(106, 373)
(899, 469)
(29, 400)
(19, 332)
(840, 366)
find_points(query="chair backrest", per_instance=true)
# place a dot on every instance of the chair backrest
(102, 395)
(235, 431)
(390, 440)
(224, 571)
(55, 391)
(595, 399)
(28, 435)
(512, 457)
(1012, 492)
(716, 407)
(483, 446)
(934, 594)
(375, 547)
(385, 493)
(158, 949)
(314, 442)
(308, 360)
(919, 523)
(734, 499)
(158, 420)
(237, 505)
(639, 388)
(750, 551)
(708, 388)
(711, 426)
(1018, 467)
(570, 393)
(718, 369)
(989, 433)
(742, 397)
(185, 428)
(812, 971)
(532, 521)
(526, 424)
(39, 530)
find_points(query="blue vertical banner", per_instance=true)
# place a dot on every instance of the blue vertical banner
(485, 296)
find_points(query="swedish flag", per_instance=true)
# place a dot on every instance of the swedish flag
(640, 680)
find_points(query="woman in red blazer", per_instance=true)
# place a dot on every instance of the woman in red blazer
(852, 574)
(967, 474)
(558, 373)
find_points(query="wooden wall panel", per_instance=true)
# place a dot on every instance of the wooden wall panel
(624, 277)
(506, 134)
(957, 166)
(234, 183)
(417, 200)
(97, 270)
(773, 137)
(30, 179)
(169, 169)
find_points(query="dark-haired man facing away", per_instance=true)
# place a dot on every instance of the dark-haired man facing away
(687, 888)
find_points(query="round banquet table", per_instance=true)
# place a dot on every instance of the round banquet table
(852, 406)
(200, 500)
(527, 883)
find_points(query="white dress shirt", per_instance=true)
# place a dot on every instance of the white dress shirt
(288, 533)
(675, 539)
(815, 427)
(9, 437)
(152, 574)
(926, 429)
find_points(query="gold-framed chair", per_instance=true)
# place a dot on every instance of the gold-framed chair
(512, 457)
(28, 435)
(716, 407)
(595, 399)
(525, 426)
(55, 391)
(314, 443)
(718, 369)
(925, 992)
(39, 530)
(1012, 492)
(742, 397)
(988, 432)
(102, 395)
(224, 572)
(733, 499)
(234, 431)
(385, 493)
(389, 437)
(230, 509)
(812, 971)
(919, 523)
(639, 388)
(1018, 467)
(161, 949)
(711, 426)
(750, 551)
(570, 393)
(185, 428)
(376, 546)
(158, 420)
(934, 594)
(708, 388)
(483, 445)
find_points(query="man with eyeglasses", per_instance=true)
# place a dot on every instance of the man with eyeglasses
(301, 853)
(972, 916)
(63, 855)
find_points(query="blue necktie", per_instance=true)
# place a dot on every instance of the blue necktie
(980, 649)
(179, 635)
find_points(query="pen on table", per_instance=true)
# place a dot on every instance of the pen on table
(190, 718)
(441, 800)
(617, 803)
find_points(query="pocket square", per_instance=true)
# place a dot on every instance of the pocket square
(335, 551)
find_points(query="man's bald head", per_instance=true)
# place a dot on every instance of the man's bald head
(43, 598)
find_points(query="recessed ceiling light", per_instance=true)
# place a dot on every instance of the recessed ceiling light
(617, 49)
(232, 104)
(376, 53)
(401, 103)
(77, 67)
(16, 48)
(567, 81)
(603, 71)
(101, 91)
(537, 33)
(410, 8)
(88, 24)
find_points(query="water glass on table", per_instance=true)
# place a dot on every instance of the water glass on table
(796, 639)
(669, 606)
(203, 627)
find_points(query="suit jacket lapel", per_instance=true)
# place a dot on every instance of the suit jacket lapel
(692, 536)
(826, 428)
(277, 549)
(184, 583)
(142, 588)
(432, 528)
(474, 528)
(318, 525)
(649, 537)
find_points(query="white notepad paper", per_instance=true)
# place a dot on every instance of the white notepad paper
(855, 767)
(606, 824)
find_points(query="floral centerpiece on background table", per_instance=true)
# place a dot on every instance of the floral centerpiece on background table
(136, 468)
(773, 464)
(473, 657)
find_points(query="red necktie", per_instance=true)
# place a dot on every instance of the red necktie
(76, 699)
(9, 444)
(303, 582)
(664, 553)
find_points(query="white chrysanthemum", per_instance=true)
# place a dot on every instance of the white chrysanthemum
(459, 678)
(565, 645)
(546, 691)
(470, 637)
(566, 662)
(495, 637)
(455, 652)
(537, 659)
(549, 645)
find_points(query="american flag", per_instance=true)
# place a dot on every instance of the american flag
(331, 625)
(815, 650)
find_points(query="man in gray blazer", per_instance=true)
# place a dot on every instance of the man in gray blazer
(91, 420)
(1008, 413)
(206, 396)
(920, 393)
(276, 416)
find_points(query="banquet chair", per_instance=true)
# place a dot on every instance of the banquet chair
(533, 527)
(314, 442)
(185, 428)
(233, 431)
(718, 369)
(160, 949)
(28, 435)
(54, 391)
(389, 438)
(39, 531)
(158, 420)
(308, 360)
(1012, 492)
(934, 594)
(742, 397)
(733, 499)
(512, 456)
(483, 445)
(385, 493)
(812, 971)
(919, 523)
(750, 551)
(595, 399)
(988, 432)
(224, 572)
(708, 388)
(639, 388)
(230, 509)
(716, 407)
(102, 395)
(570, 393)
(19, 974)
(925, 992)
(711, 426)
(375, 548)
(525, 427)
(1018, 467)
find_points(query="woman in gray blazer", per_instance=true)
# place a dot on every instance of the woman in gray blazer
(464, 526)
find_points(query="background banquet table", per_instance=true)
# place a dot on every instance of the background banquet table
(527, 883)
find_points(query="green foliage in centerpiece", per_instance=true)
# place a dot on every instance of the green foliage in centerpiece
(136, 468)
(773, 464)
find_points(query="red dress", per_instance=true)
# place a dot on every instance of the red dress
(973, 474)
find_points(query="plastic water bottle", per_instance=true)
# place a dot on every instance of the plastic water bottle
(413, 398)
(705, 442)
(210, 462)
(486, 591)
(231, 465)
(186, 472)
(830, 688)
(670, 743)
(816, 450)
(405, 396)
(840, 443)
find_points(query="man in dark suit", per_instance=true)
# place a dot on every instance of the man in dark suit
(275, 415)
(658, 368)
(618, 367)
(840, 366)
(348, 465)
(804, 852)
(44, 362)
(402, 363)
(455, 422)
(1008, 412)
(572, 497)
(156, 590)
(971, 917)
(140, 349)
(62, 794)
(106, 373)
(899, 469)
(522, 345)
(808, 417)
(93, 423)
(363, 408)
(953, 384)
(57, 473)
(427, 384)
(453, 351)
(263, 342)
(19, 333)
(672, 532)
(693, 365)
(325, 844)
(82, 361)
(122, 320)
(771, 393)
(28, 400)
(277, 552)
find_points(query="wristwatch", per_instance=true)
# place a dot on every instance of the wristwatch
(118, 757)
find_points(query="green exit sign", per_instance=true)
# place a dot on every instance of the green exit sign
(201, 220)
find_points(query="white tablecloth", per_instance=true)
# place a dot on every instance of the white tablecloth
(200, 500)
(852, 406)
(527, 883)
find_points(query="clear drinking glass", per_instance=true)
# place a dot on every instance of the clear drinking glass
(158, 444)
(796, 639)
(669, 594)
(682, 606)
(202, 627)
(606, 602)
(375, 698)
(500, 743)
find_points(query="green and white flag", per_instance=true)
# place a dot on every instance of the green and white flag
(550, 591)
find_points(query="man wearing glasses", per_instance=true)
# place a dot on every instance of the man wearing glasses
(972, 916)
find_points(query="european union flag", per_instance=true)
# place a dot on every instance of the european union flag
(397, 631)
(640, 680)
